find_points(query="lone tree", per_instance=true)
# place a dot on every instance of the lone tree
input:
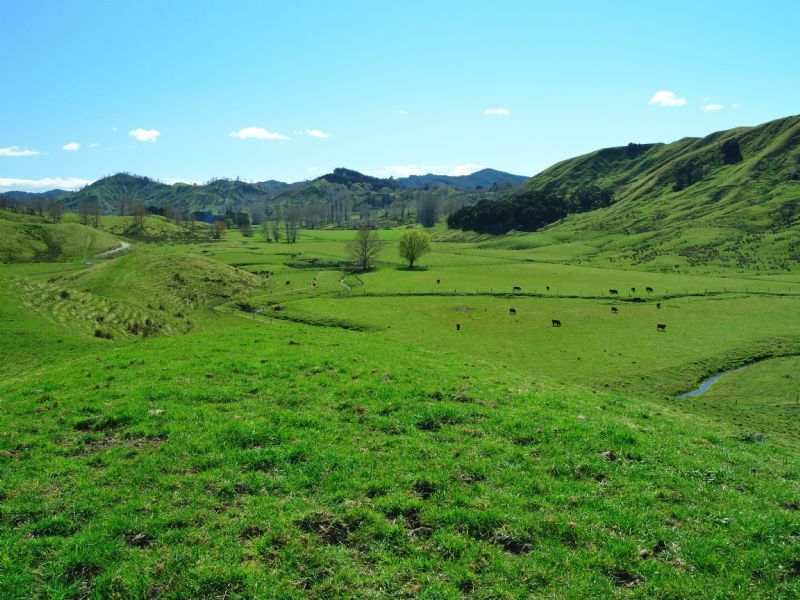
(218, 229)
(243, 219)
(364, 249)
(413, 244)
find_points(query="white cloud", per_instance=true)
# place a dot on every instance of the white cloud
(46, 183)
(667, 98)
(402, 111)
(257, 133)
(71, 147)
(114, 129)
(174, 180)
(145, 135)
(710, 107)
(17, 151)
(498, 112)
(95, 145)
(466, 169)
(408, 170)
(317, 133)
(734, 106)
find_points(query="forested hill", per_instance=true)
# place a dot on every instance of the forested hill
(748, 176)
(220, 195)
(485, 178)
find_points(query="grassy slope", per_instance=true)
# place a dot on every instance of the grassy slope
(729, 218)
(268, 458)
(154, 228)
(26, 239)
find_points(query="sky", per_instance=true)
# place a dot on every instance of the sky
(189, 91)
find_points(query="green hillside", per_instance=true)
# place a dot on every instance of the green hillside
(747, 178)
(28, 238)
(214, 196)
(730, 199)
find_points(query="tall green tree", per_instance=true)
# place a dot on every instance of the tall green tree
(413, 244)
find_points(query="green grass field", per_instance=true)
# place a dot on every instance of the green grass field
(354, 444)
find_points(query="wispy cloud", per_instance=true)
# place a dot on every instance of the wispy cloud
(46, 183)
(17, 151)
(710, 107)
(145, 135)
(317, 133)
(257, 133)
(667, 98)
(402, 111)
(174, 180)
(466, 169)
(95, 145)
(71, 147)
(497, 112)
(312, 132)
(408, 170)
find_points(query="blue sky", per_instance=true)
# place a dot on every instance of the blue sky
(267, 90)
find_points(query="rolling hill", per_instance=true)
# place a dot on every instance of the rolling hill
(732, 196)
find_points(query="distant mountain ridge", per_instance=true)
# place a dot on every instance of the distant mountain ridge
(485, 178)
(18, 195)
(218, 195)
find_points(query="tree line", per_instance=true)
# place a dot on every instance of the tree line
(527, 211)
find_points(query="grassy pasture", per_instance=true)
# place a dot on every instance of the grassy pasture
(247, 456)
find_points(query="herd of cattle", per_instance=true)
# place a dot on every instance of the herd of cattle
(660, 327)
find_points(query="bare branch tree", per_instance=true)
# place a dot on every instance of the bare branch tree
(364, 249)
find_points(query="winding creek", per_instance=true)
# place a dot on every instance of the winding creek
(706, 384)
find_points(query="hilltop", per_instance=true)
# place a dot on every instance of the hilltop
(485, 178)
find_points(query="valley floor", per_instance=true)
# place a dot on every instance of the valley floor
(168, 432)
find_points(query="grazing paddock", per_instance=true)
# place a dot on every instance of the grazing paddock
(371, 446)
(618, 352)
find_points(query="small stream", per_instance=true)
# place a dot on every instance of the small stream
(706, 384)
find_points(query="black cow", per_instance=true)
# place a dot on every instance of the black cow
(438, 281)
(613, 292)
(556, 323)
(658, 304)
(547, 287)
(277, 307)
(661, 327)
(633, 290)
(512, 311)
(649, 290)
(288, 282)
(458, 326)
(614, 310)
(517, 288)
